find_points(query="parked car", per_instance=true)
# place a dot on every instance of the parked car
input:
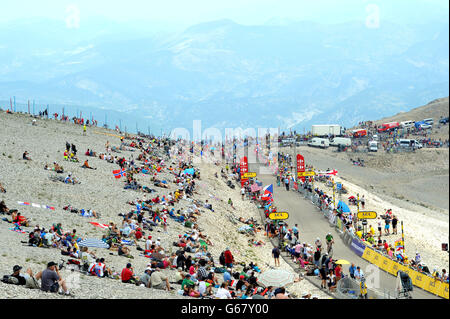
(425, 126)
(444, 120)
(429, 121)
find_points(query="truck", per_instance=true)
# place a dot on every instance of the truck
(326, 130)
(319, 142)
(344, 141)
(359, 133)
(386, 127)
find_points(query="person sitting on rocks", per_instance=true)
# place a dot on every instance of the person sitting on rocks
(18, 218)
(51, 280)
(124, 251)
(26, 156)
(2, 190)
(127, 276)
(3, 208)
(70, 180)
(86, 165)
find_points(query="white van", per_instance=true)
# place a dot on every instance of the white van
(409, 143)
(319, 142)
(407, 124)
(429, 121)
(373, 146)
(345, 141)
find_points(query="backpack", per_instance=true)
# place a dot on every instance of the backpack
(10, 280)
(222, 258)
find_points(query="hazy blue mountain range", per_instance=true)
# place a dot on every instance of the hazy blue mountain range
(282, 73)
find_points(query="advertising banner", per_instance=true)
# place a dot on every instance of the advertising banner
(300, 165)
(358, 247)
(244, 170)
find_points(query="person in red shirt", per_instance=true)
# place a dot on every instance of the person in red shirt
(138, 234)
(338, 272)
(228, 258)
(127, 275)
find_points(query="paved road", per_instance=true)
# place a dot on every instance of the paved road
(384, 183)
(312, 224)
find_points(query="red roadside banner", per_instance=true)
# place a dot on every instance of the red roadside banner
(244, 169)
(300, 165)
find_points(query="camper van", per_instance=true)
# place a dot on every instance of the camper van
(407, 143)
(319, 142)
(345, 141)
(373, 146)
(429, 121)
(407, 124)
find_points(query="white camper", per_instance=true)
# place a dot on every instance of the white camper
(319, 142)
(345, 141)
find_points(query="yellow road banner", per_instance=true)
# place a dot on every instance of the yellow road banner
(432, 285)
(303, 174)
(444, 290)
(367, 215)
(419, 280)
(249, 175)
(278, 215)
(368, 255)
(386, 263)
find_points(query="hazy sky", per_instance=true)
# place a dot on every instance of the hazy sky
(182, 13)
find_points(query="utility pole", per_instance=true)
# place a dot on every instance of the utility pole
(33, 107)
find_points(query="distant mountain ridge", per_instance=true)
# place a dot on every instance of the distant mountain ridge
(291, 74)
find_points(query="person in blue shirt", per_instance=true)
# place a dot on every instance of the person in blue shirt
(227, 276)
(352, 270)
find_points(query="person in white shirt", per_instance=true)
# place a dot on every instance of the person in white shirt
(148, 243)
(358, 273)
(99, 268)
(222, 292)
(243, 193)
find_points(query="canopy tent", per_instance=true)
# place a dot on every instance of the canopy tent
(189, 171)
(343, 207)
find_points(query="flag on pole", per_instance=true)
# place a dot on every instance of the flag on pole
(268, 189)
(119, 173)
(333, 172)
